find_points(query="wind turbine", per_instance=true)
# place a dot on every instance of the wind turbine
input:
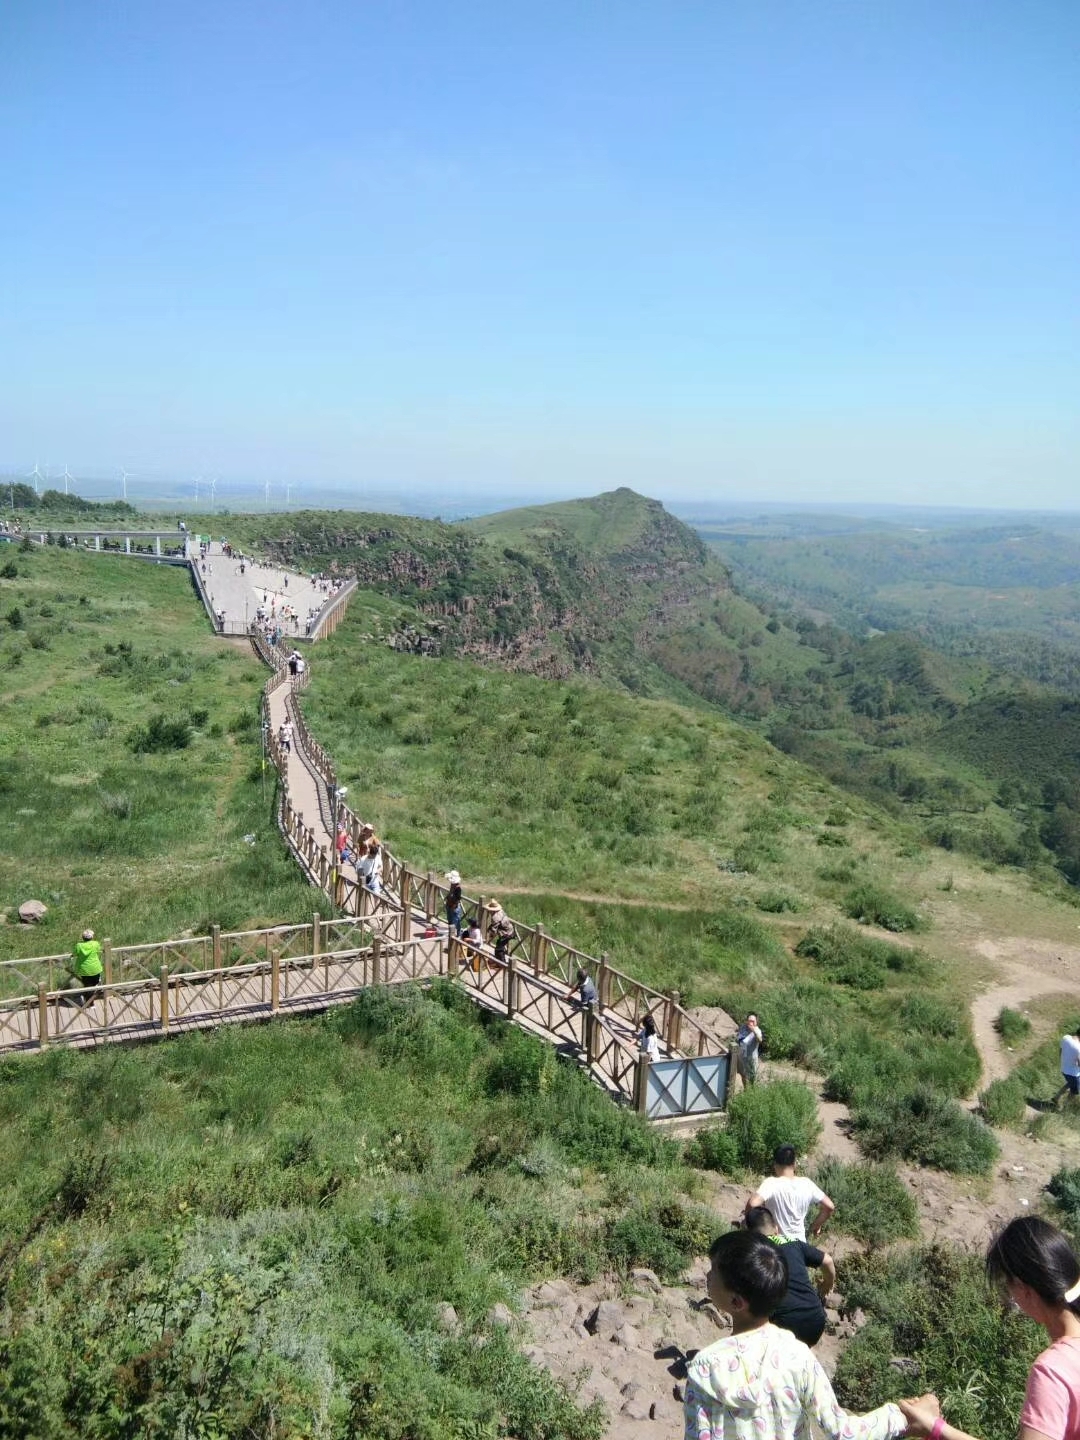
(36, 476)
(288, 496)
(125, 476)
(213, 493)
(68, 477)
(266, 494)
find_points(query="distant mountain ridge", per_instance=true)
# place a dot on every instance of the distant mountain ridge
(615, 588)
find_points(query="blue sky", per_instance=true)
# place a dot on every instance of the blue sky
(818, 251)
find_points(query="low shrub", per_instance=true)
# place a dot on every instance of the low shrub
(665, 1237)
(926, 1127)
(1002, 1102)
(873, 905)
(777, 902)
(872, 1202)
(1012, 1026)
(972, 1352)
(855, 960)
(160, 734)
(1064, 1188)
(783, 1112)
(713, 1148)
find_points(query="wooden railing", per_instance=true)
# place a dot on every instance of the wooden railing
(699, 1070)
(372, 939)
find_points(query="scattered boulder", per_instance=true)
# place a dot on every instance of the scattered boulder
(627, 1337)
(646, 1279)
(446, 1318)
(31, 911)
(606, 1319)
(636, 1410)
(500, 1317)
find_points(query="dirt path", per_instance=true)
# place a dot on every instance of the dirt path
(1027, 969)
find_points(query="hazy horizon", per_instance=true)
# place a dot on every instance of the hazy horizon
(786, 252)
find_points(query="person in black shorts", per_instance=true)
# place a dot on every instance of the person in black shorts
(801, 1311)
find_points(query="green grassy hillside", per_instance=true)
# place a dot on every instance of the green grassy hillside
(135, 830)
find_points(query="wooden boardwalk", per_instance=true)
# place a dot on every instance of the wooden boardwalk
(171, 987)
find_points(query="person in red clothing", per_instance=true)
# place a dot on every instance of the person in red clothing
(1036, 1268)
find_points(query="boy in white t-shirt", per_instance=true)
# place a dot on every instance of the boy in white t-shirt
(1070, 1066)
(790, 1197)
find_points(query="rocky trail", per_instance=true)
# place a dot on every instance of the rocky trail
(624, 1344)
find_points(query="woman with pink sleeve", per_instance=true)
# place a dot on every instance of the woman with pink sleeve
(1035, 1266)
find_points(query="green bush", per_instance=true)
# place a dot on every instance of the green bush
(1064, 1189)
(777, 902)
(855, 960)
(782, 1112)
(1012, 1026)
(872, 1202)
(873, 905)
(664, 1236)
(160, 734)
(1003, 1102)
(714, 1148)
(926, 1127)
(970, 1350)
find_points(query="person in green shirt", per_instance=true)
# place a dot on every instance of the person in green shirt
(86, 963)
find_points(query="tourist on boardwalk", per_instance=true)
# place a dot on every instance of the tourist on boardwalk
(760, 1382)
(790, 1197)
(648, 1041)
(370, 867)
(455, 914)
(583, 991)
(1070, 1066)
(474, 940)
(500, 929)
(801, 1310)
(86, 963)
(748, 1042)
(285, 736)
(1035, 1266)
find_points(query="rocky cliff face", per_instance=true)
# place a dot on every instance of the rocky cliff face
(569, 591)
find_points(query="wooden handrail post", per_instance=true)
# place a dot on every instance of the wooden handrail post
(453, 956)
(376, 960)
(215, 942)
(591, 1024)
(603, 982)
(43, 1018)
(164, 1006)
(106, 959)
(404, 920)
(429, 896)
(316, 934)
(481, 916)
(511, 985)
(641, 1084)
(675, 1025)
(275, 981)
(541, 950)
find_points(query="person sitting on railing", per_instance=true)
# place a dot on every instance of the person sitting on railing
(647, 1039)
(455, 914)
(370, 867)
(584, 989)
(86, 963)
